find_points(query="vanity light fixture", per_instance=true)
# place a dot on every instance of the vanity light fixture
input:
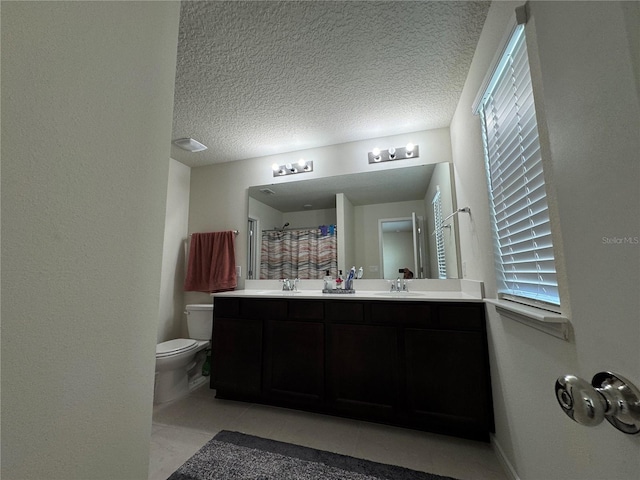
(189, 144)
(401, 153)
(409, 149)
(302, 166)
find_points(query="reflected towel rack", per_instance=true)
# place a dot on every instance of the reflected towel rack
(236, 232)
(442, 225)
(460, 210)
(295, 229)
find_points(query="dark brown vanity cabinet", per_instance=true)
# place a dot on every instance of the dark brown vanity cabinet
(416, 364)
(362, 362)
(237, 357)
(447, 372)
(363, 370)
(294, 355)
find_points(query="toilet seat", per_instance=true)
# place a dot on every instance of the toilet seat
(174, 347)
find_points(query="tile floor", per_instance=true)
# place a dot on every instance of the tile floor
(180, 428)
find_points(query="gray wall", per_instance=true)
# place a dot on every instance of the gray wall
(582, 69)
(87, 97)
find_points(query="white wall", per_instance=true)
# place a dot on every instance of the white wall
(346, 233)
(582, 68)
(171, 323)
(367, 235)
(398, 253)
(87, 97)
(267, 218)
(442, 179)
(310, 218)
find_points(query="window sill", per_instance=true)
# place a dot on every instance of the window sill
(554, 324)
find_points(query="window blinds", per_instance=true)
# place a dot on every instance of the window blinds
(439, 232)
(522, 231)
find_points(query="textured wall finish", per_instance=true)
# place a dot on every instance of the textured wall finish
(86, 114)
(260, 78)
(172, 322)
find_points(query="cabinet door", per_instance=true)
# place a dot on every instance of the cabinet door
(363, 370)
(447, 381)
(237, 357)
(294, 361)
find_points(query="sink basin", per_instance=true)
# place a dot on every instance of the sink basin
(400, 294)
(276, 292)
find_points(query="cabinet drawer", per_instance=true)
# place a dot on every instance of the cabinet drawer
(226, 307)
(400, 311)
(263, 308)
(303, 310)
(461, 316)
(346, 310)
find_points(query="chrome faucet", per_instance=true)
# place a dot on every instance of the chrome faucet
(398, 286)
(290, 285)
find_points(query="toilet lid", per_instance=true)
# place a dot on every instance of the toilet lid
(173, 347)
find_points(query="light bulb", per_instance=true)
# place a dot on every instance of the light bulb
(409, 149)
(275, 167)
(392, 153)
(302, 162)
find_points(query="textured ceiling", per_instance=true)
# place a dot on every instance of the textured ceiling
(262, 78)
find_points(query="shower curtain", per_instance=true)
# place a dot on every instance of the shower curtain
(302, 253)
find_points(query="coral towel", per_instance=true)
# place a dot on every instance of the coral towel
(212, 262)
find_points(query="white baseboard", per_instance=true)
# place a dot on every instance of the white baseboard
(504, 461)
(197, 382)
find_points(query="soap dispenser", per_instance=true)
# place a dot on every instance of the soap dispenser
(328, 281)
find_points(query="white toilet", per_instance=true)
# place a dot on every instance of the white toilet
(179, 362)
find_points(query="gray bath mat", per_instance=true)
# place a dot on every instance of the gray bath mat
(236, 456)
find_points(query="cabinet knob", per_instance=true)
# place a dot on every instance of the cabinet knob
(609, 396)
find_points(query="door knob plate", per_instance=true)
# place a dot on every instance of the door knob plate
(623, 401)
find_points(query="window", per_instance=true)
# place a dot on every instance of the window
(522, 233)
(439, 233)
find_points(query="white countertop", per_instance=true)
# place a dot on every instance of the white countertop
(358, 295)
(454, 291)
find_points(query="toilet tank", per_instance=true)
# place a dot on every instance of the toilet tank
(200, 321)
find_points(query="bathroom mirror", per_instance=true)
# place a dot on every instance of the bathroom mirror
(359, 211)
